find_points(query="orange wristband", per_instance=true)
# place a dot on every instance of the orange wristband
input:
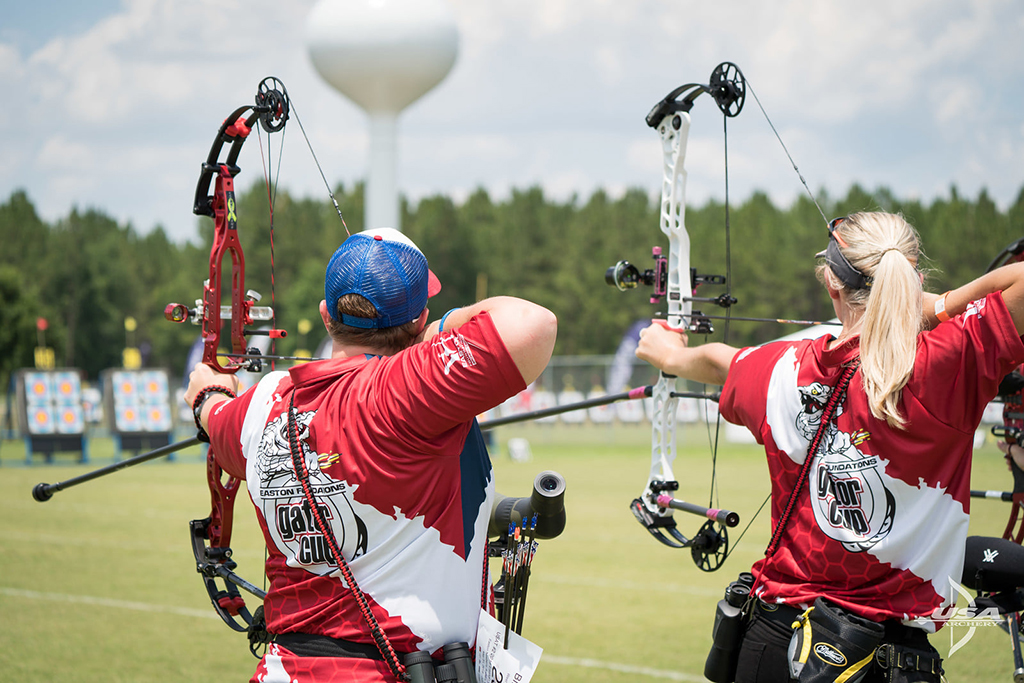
(940, 308)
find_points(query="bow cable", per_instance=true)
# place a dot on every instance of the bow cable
(272, 187)
(318, 167)
(788, 155)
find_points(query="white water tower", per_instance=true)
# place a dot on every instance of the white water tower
(383, 55)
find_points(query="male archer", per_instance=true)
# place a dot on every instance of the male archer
(375, 455)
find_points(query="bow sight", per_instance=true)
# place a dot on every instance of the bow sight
(624, 275)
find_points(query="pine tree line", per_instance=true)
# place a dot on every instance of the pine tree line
(86, 273)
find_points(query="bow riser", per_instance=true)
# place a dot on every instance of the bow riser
(225, 242)
(673, 130)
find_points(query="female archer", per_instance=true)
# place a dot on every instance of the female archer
(875, 523)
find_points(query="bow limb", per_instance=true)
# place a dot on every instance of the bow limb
(211, 546)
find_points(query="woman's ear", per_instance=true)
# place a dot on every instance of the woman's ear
(830, 284)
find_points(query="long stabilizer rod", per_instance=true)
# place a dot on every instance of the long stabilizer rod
(43, 492)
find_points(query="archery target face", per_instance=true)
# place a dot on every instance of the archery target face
(70, 419)
(142, 401)
(124, 387)
(67, 388)
(157, 419)
(128, 419)
(37, 388)
(154, 387)
(41, 420)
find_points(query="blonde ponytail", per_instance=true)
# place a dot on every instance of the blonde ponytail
(886, 249)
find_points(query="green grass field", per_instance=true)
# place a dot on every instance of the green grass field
(98, 584)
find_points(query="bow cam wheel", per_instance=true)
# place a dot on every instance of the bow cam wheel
(710, 546)
(729, 88)
(272, 104)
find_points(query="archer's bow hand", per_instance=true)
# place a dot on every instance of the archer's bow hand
(1012, 452)
(204, 376)
(660, 345)
(666, 349)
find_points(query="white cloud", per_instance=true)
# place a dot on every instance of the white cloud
(916, 94)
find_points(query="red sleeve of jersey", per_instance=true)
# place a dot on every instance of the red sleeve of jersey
(744, 397)
(966, 357)
(225, 428)
(448, 380)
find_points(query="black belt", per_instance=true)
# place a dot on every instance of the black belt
(312, 645)
(895, 631)
(778, 613)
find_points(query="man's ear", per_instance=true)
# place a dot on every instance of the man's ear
(421, 322)
(324, 315)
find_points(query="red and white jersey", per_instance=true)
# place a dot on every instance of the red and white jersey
(881, 525)
(401, 475)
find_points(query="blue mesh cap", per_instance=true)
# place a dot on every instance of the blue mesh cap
(388, 270)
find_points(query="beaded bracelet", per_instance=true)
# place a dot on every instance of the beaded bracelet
(197, 406)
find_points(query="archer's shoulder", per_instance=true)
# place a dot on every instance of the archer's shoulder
(769, 352)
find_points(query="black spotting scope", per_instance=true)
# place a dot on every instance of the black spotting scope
(547, 501)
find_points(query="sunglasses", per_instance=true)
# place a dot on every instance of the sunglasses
(832, 225)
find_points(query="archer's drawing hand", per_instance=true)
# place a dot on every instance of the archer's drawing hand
(659, 343)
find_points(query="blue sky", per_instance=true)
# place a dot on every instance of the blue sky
(114, 104)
